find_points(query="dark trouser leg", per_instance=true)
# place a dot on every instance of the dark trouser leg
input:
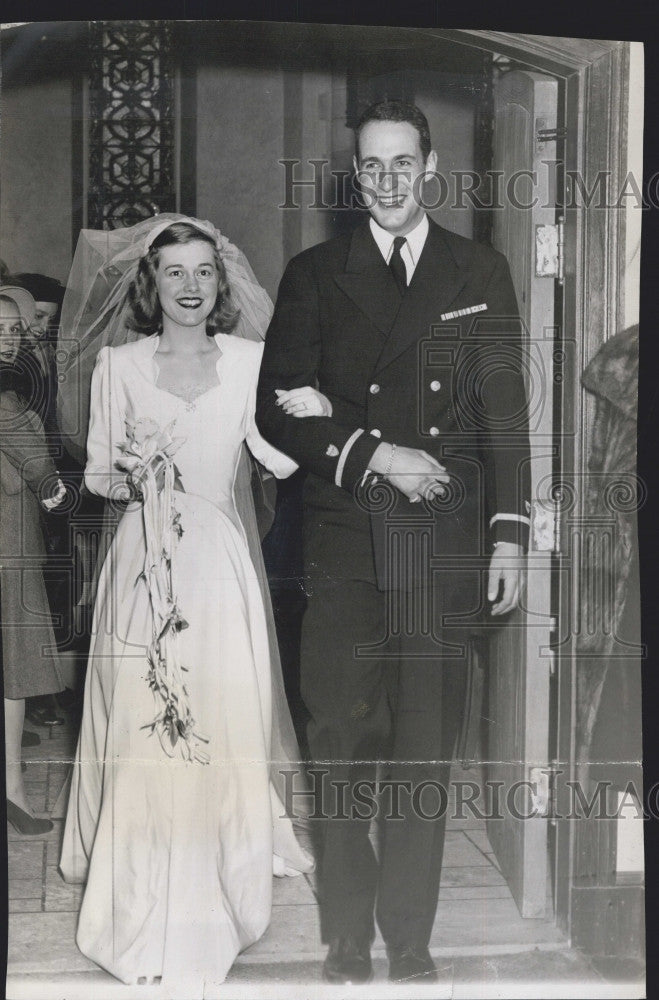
(428, 713)
(348, 698)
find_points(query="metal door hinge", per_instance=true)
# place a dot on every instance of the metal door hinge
(543, 790)
(557, 527)
(550, 250)
(543, 135)
(545, 526)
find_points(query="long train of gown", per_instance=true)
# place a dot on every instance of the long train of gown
(177, 856)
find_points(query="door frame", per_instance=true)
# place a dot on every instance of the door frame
(596, 77)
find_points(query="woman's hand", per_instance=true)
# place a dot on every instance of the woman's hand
(123, 492)
(304, 402)
(157, 466)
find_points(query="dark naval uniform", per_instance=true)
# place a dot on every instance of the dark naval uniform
(395, 587)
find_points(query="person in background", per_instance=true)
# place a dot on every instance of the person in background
(29, 483)
(48, 294)
(41, 343)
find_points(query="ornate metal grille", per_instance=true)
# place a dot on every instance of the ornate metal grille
(131, 140)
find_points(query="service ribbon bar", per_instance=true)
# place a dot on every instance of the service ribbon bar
(464, 312)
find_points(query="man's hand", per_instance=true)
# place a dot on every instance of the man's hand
(508, 564)
(414, 472)
(304, 402)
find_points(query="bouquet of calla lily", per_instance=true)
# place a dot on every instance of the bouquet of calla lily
(147, 445)
(147, 456)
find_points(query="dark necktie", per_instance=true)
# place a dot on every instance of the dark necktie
(397, 264)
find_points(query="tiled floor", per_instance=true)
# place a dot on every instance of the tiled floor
(482, 946)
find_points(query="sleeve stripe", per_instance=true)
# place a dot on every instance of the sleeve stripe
(340, 465)
(510, 517)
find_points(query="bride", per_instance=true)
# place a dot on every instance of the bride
(174, 821)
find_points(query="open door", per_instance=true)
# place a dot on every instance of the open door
(520, 656)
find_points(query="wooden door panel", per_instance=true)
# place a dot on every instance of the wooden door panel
(519, 667)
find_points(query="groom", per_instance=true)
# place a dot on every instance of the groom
(417, 490)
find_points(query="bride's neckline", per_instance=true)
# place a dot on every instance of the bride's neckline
(191, 390)
(189, 393)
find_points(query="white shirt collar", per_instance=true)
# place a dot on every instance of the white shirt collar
(415, 239)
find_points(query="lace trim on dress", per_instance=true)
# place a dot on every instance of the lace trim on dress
(189, 391)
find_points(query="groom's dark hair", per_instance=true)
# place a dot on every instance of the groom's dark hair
(396, 111)
(144, 312)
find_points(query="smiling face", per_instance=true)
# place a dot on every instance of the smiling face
(187, 283)
(43, 317)
(10, 330)
(390, 170)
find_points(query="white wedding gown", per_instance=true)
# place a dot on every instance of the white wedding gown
(178, 857)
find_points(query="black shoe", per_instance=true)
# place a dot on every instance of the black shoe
(348, 961)
(28, 825)
(30, 739)
(411, 963)
(43, 715)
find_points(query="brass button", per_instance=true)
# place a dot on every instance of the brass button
(435, 385)
(375, 388)
(434, 431)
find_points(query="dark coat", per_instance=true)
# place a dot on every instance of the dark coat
(27, 475)
(609, 678)
(401, 371)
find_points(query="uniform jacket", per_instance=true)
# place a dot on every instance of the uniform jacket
(408, 371)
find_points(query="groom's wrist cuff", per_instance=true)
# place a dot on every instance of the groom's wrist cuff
(355, 458)
(510, 528)
(345, 451)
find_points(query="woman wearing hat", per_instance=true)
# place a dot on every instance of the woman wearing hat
(41, 339)
(29, 483)
(40, 343)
